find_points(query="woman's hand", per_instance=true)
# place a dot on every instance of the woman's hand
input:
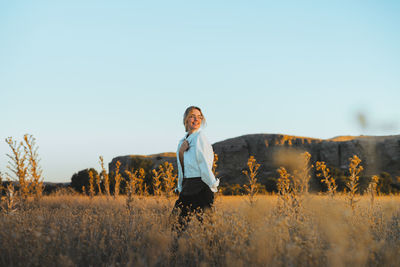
(184, 146)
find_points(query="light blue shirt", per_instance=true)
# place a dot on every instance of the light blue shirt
(198, 161)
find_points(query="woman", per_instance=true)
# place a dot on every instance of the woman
(196, 181)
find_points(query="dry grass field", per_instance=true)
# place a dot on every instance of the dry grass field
(103, 228)
(76, 230)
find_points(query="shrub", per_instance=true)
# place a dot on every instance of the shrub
(80, 179)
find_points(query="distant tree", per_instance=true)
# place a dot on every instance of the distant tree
(81, 179)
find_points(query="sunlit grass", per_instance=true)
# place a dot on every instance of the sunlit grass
(289, 228)
(78, 230)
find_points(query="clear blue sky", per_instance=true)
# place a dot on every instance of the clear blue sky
(112, 78)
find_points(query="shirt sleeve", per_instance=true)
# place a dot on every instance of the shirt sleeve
(205, 159)
(180, 172)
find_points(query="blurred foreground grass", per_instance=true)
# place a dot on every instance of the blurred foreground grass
(75, 230)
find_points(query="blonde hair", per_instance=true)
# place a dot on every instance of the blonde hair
(186, 115)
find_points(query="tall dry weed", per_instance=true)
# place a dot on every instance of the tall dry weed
(117, 178)
(372, 189)
(326, 178)
(352, 183)
(157, 183)
(24, 164)
(285, 192)
(104, 177)
(91, 184)
(98, 184)
(170, 178)
(135, 184)
(141, 186)
(9, 202)
(35, 171)
(293, 188)
(19, 167)
(301, 176)
(251, 174)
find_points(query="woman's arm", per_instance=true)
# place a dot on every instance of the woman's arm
(205, 159)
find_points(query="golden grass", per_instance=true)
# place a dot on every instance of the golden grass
(292, 228)
(82, 231)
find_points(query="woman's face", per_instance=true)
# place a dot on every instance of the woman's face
(193, 121)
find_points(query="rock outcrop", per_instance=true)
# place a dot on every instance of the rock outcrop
(378, 154)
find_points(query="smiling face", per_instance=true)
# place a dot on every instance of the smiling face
(193, 120)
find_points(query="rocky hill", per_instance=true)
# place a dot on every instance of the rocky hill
(378, 153)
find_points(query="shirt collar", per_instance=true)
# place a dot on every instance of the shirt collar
(190, 137)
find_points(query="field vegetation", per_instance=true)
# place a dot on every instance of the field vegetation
(76, 230)
(119, 220)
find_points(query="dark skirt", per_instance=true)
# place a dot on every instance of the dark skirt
(195, 198)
